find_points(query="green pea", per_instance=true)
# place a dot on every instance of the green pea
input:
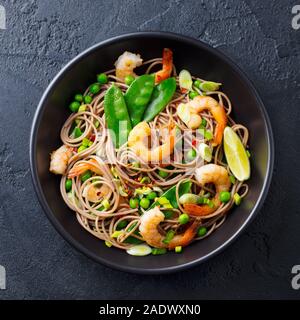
(163, 174)
(87, 99)
(102, 78)
(78, 97)
(95, 88)
(193, 94)
(183, 218)
(191, 154)
(129, 79)
(68, 185)
(145, 203)
(133, 203)
(86, 175)
(202, 231)
(225, 196)
(152, 195)
(122, 224)
(81, 148)
(74, 106)
(178, 249)
(197, 83)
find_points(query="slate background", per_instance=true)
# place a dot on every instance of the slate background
(41, 36)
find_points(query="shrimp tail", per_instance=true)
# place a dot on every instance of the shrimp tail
(167, 62)
(186, 238)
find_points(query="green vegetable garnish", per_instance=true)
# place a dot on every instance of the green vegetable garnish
(74, 106)
(184, 218)
(202, 231)
(158, 251)
(102, 78)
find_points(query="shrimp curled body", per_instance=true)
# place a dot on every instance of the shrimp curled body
(126, 63)
(148, 229)
(189, 113)
(59, 160)
(210, 173)
(137, 142)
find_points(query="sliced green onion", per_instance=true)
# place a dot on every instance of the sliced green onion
(82, 108)
(185, 80)
(203, 123)
(209, 86)
(178, 249)
(105, 203)
(169, 236)
(108, 244)
(97, 123)
(139, 250)
(81, 148)
(248, 153)
(85, 142)
(189, 198)
(237, 199)
(232, 179)
(165, 202)
(145, 180)
(116, 234)
(208, 135)
(157, 251)
(77, 132)
(205, 152)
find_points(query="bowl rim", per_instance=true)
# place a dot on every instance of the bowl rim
(33, 158)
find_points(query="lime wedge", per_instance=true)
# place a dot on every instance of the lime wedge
(185, 80)
(236, 155)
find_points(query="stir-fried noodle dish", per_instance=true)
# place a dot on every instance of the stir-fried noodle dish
(151, 159)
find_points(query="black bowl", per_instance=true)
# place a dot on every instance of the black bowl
(201, 60)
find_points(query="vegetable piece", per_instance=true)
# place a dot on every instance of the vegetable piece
(137, 97)
(105, 203)
(82, 108)
(184, 218)
(178, 249)
(193, 94)
(169, 236)
(145, 180)
(85, 142)
(139, 250)
(77, 132)
(116, 115)
(203, 123)
(237, 199)
(81, 148)
(95, 88)
(102, 78)
(116, 234)
(185, 80)
(225, 196)
(145, 203)
(209, 86)
(170, 194)
(191, 155)
(236, 155)
(122, 224)
(165, 202)
(152, 195)
(161, 96)
(189, 198)
(108, 244)
(86, 175)
(205, 152)
(78, 97)
(133, 203)
(158, 251)
(206, 133)
(232, 179)
(163, 174)
(129, 79)
(197, 83)
(74, 106)
(68, 185)
(168, 214)
(87, 99)
(202, 231)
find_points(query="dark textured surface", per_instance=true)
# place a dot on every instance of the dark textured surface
(41, 36)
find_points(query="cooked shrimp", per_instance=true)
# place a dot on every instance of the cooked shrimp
(59, 159)
(210, 173)
(167, 66)
(94, 193)
(137, 141)
(81, 167)
(126, 63)
(189, 114)
(148, 229)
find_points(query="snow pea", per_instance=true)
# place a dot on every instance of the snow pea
(161, 96)
(137, 97)
(116, 115)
